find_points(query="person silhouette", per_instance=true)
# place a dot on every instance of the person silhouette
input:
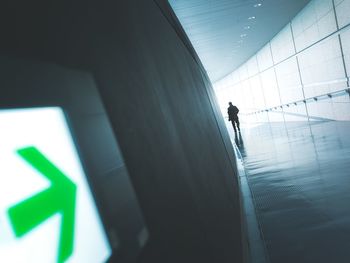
(233, 117)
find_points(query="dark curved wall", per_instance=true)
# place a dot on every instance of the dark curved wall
(162, 110)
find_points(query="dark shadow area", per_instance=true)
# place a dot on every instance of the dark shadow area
(240, 143)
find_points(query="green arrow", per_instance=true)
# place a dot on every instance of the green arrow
(58, 198)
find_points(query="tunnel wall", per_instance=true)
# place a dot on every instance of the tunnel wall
(301, 74)
(29, 84)
(162, 111)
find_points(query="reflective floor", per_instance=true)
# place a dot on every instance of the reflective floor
(299, 175)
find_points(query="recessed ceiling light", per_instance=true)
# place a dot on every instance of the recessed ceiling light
(258, 5)
(247, 27)
(251, 17)
(243, 35)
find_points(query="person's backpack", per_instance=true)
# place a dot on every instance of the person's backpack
(235, 110)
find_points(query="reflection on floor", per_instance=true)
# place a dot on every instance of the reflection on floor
(299, 174)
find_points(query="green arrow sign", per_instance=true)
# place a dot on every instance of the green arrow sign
(60, 198)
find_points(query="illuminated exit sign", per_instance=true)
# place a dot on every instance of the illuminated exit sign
(47, 211)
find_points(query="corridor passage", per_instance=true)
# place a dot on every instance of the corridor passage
(299, 175)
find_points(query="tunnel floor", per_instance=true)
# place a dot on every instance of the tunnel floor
(299, 176)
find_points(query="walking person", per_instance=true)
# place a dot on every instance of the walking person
(233, 116)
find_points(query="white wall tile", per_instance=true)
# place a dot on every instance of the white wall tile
(264, 58)
(345, 39)
(243, 72)
(252, 65)
(282, 45)
(342, 8)
(270, 88)
(314, 22)
(322, 68)
(257, 93)
(289, 81)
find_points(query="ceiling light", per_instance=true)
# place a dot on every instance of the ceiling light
(247, 27)
(258, 5)
(251, 17)
(243, 35)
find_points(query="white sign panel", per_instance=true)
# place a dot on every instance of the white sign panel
(47, 211)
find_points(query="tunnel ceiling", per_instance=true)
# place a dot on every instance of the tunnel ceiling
(226, 33)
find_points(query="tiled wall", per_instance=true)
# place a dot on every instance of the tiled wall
(302, 73)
